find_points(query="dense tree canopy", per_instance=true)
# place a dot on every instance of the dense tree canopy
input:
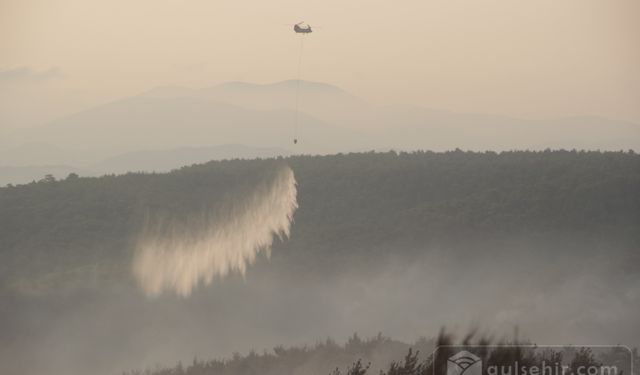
(351, 204)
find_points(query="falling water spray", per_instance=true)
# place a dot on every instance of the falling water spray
(177, 256)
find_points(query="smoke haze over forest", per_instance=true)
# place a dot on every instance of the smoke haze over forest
(396, 243)
(301, 188)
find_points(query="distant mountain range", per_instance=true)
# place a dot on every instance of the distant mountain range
(139, 161)
(262, 117)
(26, 174)
(166, 160)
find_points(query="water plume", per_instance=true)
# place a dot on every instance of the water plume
(178, 255)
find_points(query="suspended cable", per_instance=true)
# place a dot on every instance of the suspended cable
(295, 122)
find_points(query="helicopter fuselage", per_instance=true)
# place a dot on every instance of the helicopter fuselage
(302, 30)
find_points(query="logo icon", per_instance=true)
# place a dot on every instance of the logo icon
(464, 363)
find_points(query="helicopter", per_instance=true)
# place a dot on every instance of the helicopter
(302, 28)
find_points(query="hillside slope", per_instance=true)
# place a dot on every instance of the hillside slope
(399, 243)
(349, 204)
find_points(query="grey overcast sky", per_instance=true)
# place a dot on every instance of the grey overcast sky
(529, 58)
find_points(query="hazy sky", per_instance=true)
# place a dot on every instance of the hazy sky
(531, 58)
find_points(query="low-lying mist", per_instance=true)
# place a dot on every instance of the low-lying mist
(109, 331)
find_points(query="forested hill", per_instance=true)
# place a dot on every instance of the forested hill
(350, 205)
